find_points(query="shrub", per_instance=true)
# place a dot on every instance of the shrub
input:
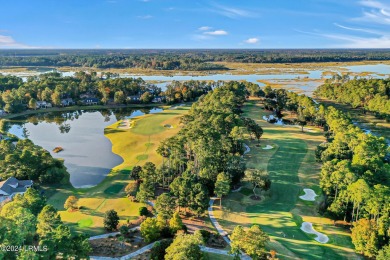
(71, 203)
(124, 230)
(143, 211)
(205, 234)
(158, 250)
(131, 189)
(132, 198)
(111, 220)
(150, 230)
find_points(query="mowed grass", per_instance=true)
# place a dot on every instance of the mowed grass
(89, 219)
(212, 256)
(292, 167)
(114, 189)
(139, 142)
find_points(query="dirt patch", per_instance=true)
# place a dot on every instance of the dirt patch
(194, 224)
(216, 241)
(118, 245)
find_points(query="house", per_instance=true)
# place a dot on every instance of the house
(67, 102)
(158, 99)
(12, 186)
(87, 95)
(134, 98)
(91, 101)
(43, 104)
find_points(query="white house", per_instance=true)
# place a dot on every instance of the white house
(41, 104)
(12, 186)
(67, 102)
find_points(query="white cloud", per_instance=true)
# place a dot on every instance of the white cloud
(360, 42)
(252, 40)
(9, 42)
(204, 28)
(379, 12)
(232, 12)
(370, 30)
(201, 37)
(216, 32)
(350, 41)
(358, 29)
(145, 16)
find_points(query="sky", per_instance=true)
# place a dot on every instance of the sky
(171, 24)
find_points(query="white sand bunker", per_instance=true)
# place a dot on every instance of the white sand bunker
(125, 124)
(268, 147)
(308, 228)
(310, 195)
(247, 149)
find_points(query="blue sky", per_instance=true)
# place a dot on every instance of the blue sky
(195, 24)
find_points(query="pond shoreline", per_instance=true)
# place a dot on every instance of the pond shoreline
(72, 108)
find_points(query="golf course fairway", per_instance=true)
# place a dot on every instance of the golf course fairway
(292, 167)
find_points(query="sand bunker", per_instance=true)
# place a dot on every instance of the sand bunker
(268, 147)
(247, 149)
(125, 124)
(308, 228)
(310, 195)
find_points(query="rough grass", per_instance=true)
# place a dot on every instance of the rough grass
(292, 167)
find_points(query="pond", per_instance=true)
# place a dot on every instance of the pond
(87, 153)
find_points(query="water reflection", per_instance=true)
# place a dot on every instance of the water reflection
(87, 152)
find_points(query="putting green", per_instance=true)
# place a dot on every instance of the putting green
(85, 222)
(138, 144)
(142, 157)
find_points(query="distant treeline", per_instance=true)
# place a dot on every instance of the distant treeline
(369, 94)
(193, 60)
